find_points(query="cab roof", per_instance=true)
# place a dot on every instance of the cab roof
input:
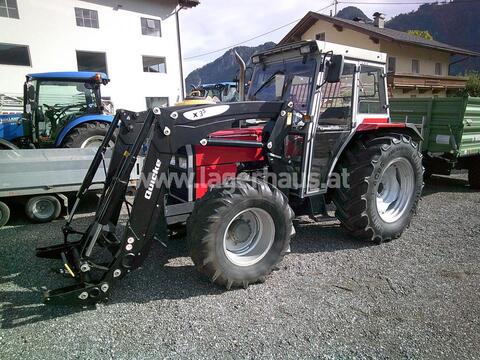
(67, 75)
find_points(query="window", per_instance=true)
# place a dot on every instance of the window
(415, 66)
(86, 17)
(371, 97)
(154, 64)
(58, 101)
(9, 9)
(92, 61)
(150, 27)
(320, 36)
(11, 54)
(156, 101)
(438, 69)
(336, 105)
(392, 64)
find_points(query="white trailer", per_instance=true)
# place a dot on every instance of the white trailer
(40, 179)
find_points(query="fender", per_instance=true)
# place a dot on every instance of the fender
(81, 120)
(365, 127)
(7, 144)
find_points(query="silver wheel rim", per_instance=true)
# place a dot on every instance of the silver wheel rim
(43, 209)
(394, 191)
(249, 236)
(94, 142)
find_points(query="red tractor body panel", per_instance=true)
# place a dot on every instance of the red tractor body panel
(213, 164)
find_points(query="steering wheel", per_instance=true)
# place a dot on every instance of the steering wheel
(58, 110)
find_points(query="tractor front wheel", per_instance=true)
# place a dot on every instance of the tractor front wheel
(87, 135)
(239, 231)
(384, 187)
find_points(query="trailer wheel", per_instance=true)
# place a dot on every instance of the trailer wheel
(4, 213)
(474, 174)
(385, 185)
(87, 135)
(239, 231)
(43, 208)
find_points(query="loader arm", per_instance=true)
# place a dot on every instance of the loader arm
(173, 128)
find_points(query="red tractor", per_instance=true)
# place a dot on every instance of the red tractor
(315, 129)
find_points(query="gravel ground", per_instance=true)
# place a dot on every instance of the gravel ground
(333, 297)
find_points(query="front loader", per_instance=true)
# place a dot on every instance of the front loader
(315, 129)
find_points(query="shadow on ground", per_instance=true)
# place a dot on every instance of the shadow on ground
(160, 277)
(447, 184)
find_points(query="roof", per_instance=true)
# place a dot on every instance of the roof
(350, 52)
(67, 75)
(369, 29)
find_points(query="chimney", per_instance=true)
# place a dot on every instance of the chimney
(379, 20)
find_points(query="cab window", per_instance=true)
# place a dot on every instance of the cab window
(336, 104)
(371, 93)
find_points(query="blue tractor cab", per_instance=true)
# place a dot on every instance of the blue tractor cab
(60, 109)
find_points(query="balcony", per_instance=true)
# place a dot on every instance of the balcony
(424, 83)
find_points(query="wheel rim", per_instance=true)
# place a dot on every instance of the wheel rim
(395, 190)
(249, 236)
(43, 209)
(94, 142)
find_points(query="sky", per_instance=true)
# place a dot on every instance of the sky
(216, 24)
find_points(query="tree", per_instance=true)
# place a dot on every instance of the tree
(421, 33)
(472, 87)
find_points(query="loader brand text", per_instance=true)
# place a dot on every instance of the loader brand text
(153, 180)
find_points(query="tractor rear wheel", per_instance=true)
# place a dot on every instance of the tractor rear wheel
(239, 231)
(474, 174)
(87, 135)
(384, 187)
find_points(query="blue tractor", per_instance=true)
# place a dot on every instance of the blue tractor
(60, 109)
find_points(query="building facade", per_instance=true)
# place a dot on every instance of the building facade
(134, 41)
(416, 67)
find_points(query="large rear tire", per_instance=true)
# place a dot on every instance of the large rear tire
(385, 184)
(86, 135)
(239, 231)
(474, 174)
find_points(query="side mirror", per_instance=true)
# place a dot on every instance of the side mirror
(335, 68)
(31, 92)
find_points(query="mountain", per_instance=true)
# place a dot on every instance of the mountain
(224, 68)
(352, 12)
(454, 23)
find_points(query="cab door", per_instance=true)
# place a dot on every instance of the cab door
(331, 128)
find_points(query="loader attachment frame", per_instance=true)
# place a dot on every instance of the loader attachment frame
(173, 128)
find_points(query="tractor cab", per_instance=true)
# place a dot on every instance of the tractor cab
(53, 102)
(218, 92)
(334, 89)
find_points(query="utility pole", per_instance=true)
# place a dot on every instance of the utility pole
(335, 2)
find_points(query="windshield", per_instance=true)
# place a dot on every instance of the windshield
(59, 102)
(289, 81)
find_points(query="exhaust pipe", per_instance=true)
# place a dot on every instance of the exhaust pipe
(241, 76)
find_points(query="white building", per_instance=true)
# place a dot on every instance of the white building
(134, 41)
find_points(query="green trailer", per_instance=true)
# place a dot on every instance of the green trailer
(451, 132)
